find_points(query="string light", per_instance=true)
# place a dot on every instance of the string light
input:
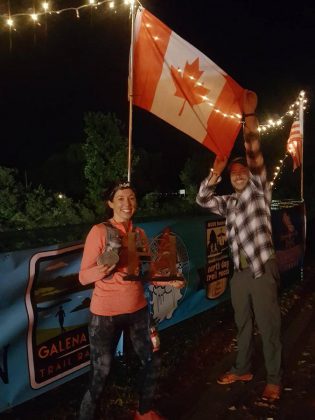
(293, 111)
(45, 6)
(34, 17)
(8, 18)
(10, 22)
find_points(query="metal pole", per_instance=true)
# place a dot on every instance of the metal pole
(130, 88)
(301, 118)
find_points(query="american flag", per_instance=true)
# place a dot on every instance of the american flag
(294, 144)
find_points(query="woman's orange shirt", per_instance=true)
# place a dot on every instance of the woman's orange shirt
(112, 295)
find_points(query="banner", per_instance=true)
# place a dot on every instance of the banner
(179, 84)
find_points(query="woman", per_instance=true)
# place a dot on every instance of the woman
(117, 304)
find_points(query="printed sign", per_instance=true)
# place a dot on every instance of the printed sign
(170, 261)
(57, 340)
(289, 236)
(218, 262)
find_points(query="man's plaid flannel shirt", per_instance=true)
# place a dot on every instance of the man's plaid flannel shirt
(248, 219)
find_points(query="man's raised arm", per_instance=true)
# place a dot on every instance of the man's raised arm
(254, 156)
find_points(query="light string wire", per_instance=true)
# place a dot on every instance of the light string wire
(293, 112)
(46, 9)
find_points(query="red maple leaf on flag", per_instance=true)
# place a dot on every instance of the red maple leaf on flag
(187, 84)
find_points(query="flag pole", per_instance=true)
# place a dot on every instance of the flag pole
(301, 118)
(130, 87)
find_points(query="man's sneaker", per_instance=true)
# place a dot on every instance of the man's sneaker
(271, 393)
(230, 378)
(149, 415)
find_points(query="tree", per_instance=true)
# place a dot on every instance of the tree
(195, 169)
(106, 152)
(10, 197)
(63, 171)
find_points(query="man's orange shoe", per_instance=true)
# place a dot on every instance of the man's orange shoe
(271, 393)
(230, 378)
(149, 415)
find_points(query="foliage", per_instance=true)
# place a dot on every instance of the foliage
(10, 196)
(63, 172)
(195, 169)
(106, 152)
(32, 208)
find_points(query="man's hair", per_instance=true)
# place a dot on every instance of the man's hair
(111, 190)
(238, 160)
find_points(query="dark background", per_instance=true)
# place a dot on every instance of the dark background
(50, 75)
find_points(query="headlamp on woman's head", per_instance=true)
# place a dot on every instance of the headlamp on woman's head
(111, 191)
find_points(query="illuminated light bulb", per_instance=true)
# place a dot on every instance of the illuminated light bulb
(279, 122)
(305, 101)
(92, 1)
(277, 167)
(126, 2)
(148, 25)
(297, 103)
(224, 115)
(179, 70)
(271, 183)
(238, 116)
(199, 84)
(217, 110)
(77, 13)
(155, 38)
(10, 22)
(112, 5)
(270, 121)
(34, 17)
(204, 98)
(302, 93)
(45, 6)
(259, 129)
(280, 160)
(264, 128)
(191, 77)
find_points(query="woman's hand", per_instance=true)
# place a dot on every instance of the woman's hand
(106, 269)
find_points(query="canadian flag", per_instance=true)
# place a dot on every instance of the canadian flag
(294, 144)
(179, 84)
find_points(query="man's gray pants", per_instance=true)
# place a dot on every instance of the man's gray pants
(257, 298)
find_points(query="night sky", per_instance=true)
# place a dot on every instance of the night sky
(50, 75)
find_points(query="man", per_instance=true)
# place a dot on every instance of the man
(255, 279)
